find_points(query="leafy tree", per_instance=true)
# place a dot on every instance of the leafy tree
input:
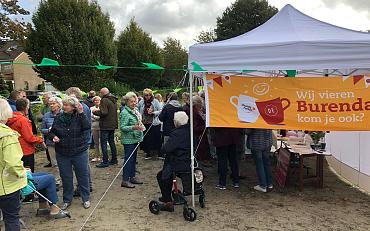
(72, 32)
(175, 57)
(12, 29)
(206, 36)
(243, 16)
(135, 46)
(4, 88)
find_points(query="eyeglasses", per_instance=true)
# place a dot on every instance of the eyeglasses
(147, 95)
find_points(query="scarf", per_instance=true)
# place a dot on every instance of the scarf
(147, 105)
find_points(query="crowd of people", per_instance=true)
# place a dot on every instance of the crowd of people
(160, 128)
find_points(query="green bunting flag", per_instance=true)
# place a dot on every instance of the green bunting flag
(177, 90)
(103, 67)
(197, 67)
(291, 73)
(200, 88)
(152, 66)
(48, 63)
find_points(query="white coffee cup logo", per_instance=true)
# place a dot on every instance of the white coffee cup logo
(246, 107)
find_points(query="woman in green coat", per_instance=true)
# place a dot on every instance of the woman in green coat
(131, 135)
(12, 173)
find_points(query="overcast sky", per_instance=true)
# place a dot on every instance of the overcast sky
(184, 19)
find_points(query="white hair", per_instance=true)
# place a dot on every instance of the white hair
(128, 96)
(6, 111)
(72, 101)
(56, 100)
(74, 91)
(180, 118)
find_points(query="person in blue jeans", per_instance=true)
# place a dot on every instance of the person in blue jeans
(260, 142)
(108, 123)
(45, 184)
(71, 146)
(131, 135)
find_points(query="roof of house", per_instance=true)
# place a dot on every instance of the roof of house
(10, 50)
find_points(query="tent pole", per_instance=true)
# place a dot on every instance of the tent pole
(191, 79)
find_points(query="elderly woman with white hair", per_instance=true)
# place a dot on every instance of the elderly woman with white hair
(177, 159)
(55, 104)
(131, 135)
(71, 146)
(13, 175)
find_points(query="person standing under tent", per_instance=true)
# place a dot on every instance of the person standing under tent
(108, 123)
(260, 142)
(199, 125)
(186, 102)
(131, 135)
(11, 163)
(167, 114)
(177, 159)
(149, 109)
(20, 123)
(225, 141)
(71, 146)
(95, 127)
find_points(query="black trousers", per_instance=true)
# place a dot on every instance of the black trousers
(166, 187)
(29, 162)
(10, 206)
(152, 139)
(224, 154)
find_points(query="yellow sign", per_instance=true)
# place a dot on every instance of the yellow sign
(304, 103)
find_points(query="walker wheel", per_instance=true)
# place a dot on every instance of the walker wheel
(202, 201)
(154, 207)
(189, 214)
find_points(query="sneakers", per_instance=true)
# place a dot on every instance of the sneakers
(64, 206)
(135, 180)
(113, 162)
(95, 160)
(147, 156)
(270, 187)
(221, 187)
(160, 158)
(259, 188)
(236, 185)
(102, 165)
(86, 204)
(127, 184)
(61, 214)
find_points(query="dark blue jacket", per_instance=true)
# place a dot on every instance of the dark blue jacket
(72, 134)
(177, 150)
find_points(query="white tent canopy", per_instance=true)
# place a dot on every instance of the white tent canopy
(290, 40)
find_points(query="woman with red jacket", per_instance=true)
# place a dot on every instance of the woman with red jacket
(22, 125)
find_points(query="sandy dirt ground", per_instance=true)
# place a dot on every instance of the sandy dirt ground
(337, 206)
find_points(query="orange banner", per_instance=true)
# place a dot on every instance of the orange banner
(302, 103)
